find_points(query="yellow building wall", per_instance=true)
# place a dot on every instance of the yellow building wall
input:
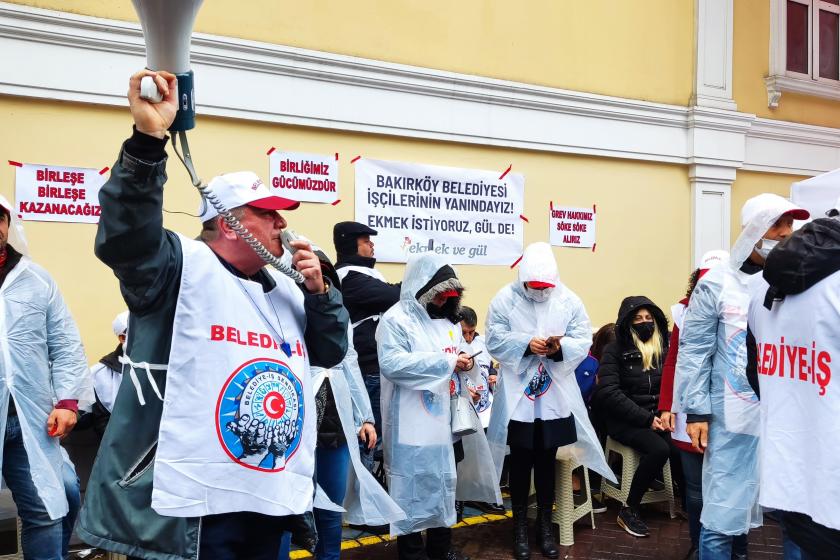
(642, 208)
(640, 49)
(751, 183)
(751, 63)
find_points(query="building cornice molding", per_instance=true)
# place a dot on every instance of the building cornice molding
(296, 86)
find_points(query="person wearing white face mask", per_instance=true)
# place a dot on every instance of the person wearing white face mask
(539, 331)
(711, 384)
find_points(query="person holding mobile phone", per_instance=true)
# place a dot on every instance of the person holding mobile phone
(418, 344)
(539, 331)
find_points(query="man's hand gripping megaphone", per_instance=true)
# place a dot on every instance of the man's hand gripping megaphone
(151, 118)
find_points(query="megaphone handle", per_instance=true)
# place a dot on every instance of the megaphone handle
(149, 90)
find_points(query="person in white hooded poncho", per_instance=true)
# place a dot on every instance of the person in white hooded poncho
(711, 385)
(43, 380)
(539, 331)
(417, 341)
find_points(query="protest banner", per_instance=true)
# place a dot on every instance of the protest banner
(303, 177)
(52, 193)
(571, 227)
(470, 216)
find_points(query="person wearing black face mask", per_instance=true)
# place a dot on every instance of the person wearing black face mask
(627, 397)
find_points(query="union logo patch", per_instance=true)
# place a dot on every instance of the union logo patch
(432, 403)
(539, 383)
(259, 415)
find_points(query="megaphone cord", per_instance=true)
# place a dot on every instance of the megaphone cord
(209, 197)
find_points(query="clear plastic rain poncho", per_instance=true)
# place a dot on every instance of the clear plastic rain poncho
(417, 356)
(513, 320)
(365, 502)
(711, 378)
(41, 362)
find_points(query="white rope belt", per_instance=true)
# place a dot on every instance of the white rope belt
(373, 318)
(125, 360)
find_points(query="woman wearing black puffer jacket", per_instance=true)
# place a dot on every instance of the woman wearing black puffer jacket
(627, 397)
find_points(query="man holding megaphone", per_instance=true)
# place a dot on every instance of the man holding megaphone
(221, 462)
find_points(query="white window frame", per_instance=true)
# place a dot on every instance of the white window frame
(781, 79)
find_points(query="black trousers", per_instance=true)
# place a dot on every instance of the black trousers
(541, 461)
(816, 541)
(234, 536)
(655, 448)
(533, 446)
(438, 543)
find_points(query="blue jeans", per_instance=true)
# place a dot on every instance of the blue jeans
(369, 455)
(692, 464)
(790, 549)
(41, 536)
(74, 499)
(717, 546)
(331, 466)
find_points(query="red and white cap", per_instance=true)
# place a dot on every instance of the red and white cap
(243, 188)
(774, 203)
(711, 259)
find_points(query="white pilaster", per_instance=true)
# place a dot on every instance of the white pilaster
(713, 54)
(711, 192)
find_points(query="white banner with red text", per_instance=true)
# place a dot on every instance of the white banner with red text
(52, 193)
(303, 177)
(470, 216)
(571, 227)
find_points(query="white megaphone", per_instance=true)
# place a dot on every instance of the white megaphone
(167, 29)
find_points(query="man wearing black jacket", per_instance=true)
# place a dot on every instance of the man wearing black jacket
(366, 296)
(170, 283)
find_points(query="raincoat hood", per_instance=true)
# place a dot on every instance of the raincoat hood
(425, 277)
(628, 308)
(757, 216)
(538, 265)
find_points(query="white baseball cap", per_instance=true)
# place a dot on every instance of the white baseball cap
(120, 324)
(711, 259)
(242, 188)
(782, 206)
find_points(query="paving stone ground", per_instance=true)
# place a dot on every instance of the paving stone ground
(669, 540)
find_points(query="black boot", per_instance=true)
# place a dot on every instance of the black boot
(545, 533)
(521, 551)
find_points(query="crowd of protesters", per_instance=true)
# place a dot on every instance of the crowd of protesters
(380, 405)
